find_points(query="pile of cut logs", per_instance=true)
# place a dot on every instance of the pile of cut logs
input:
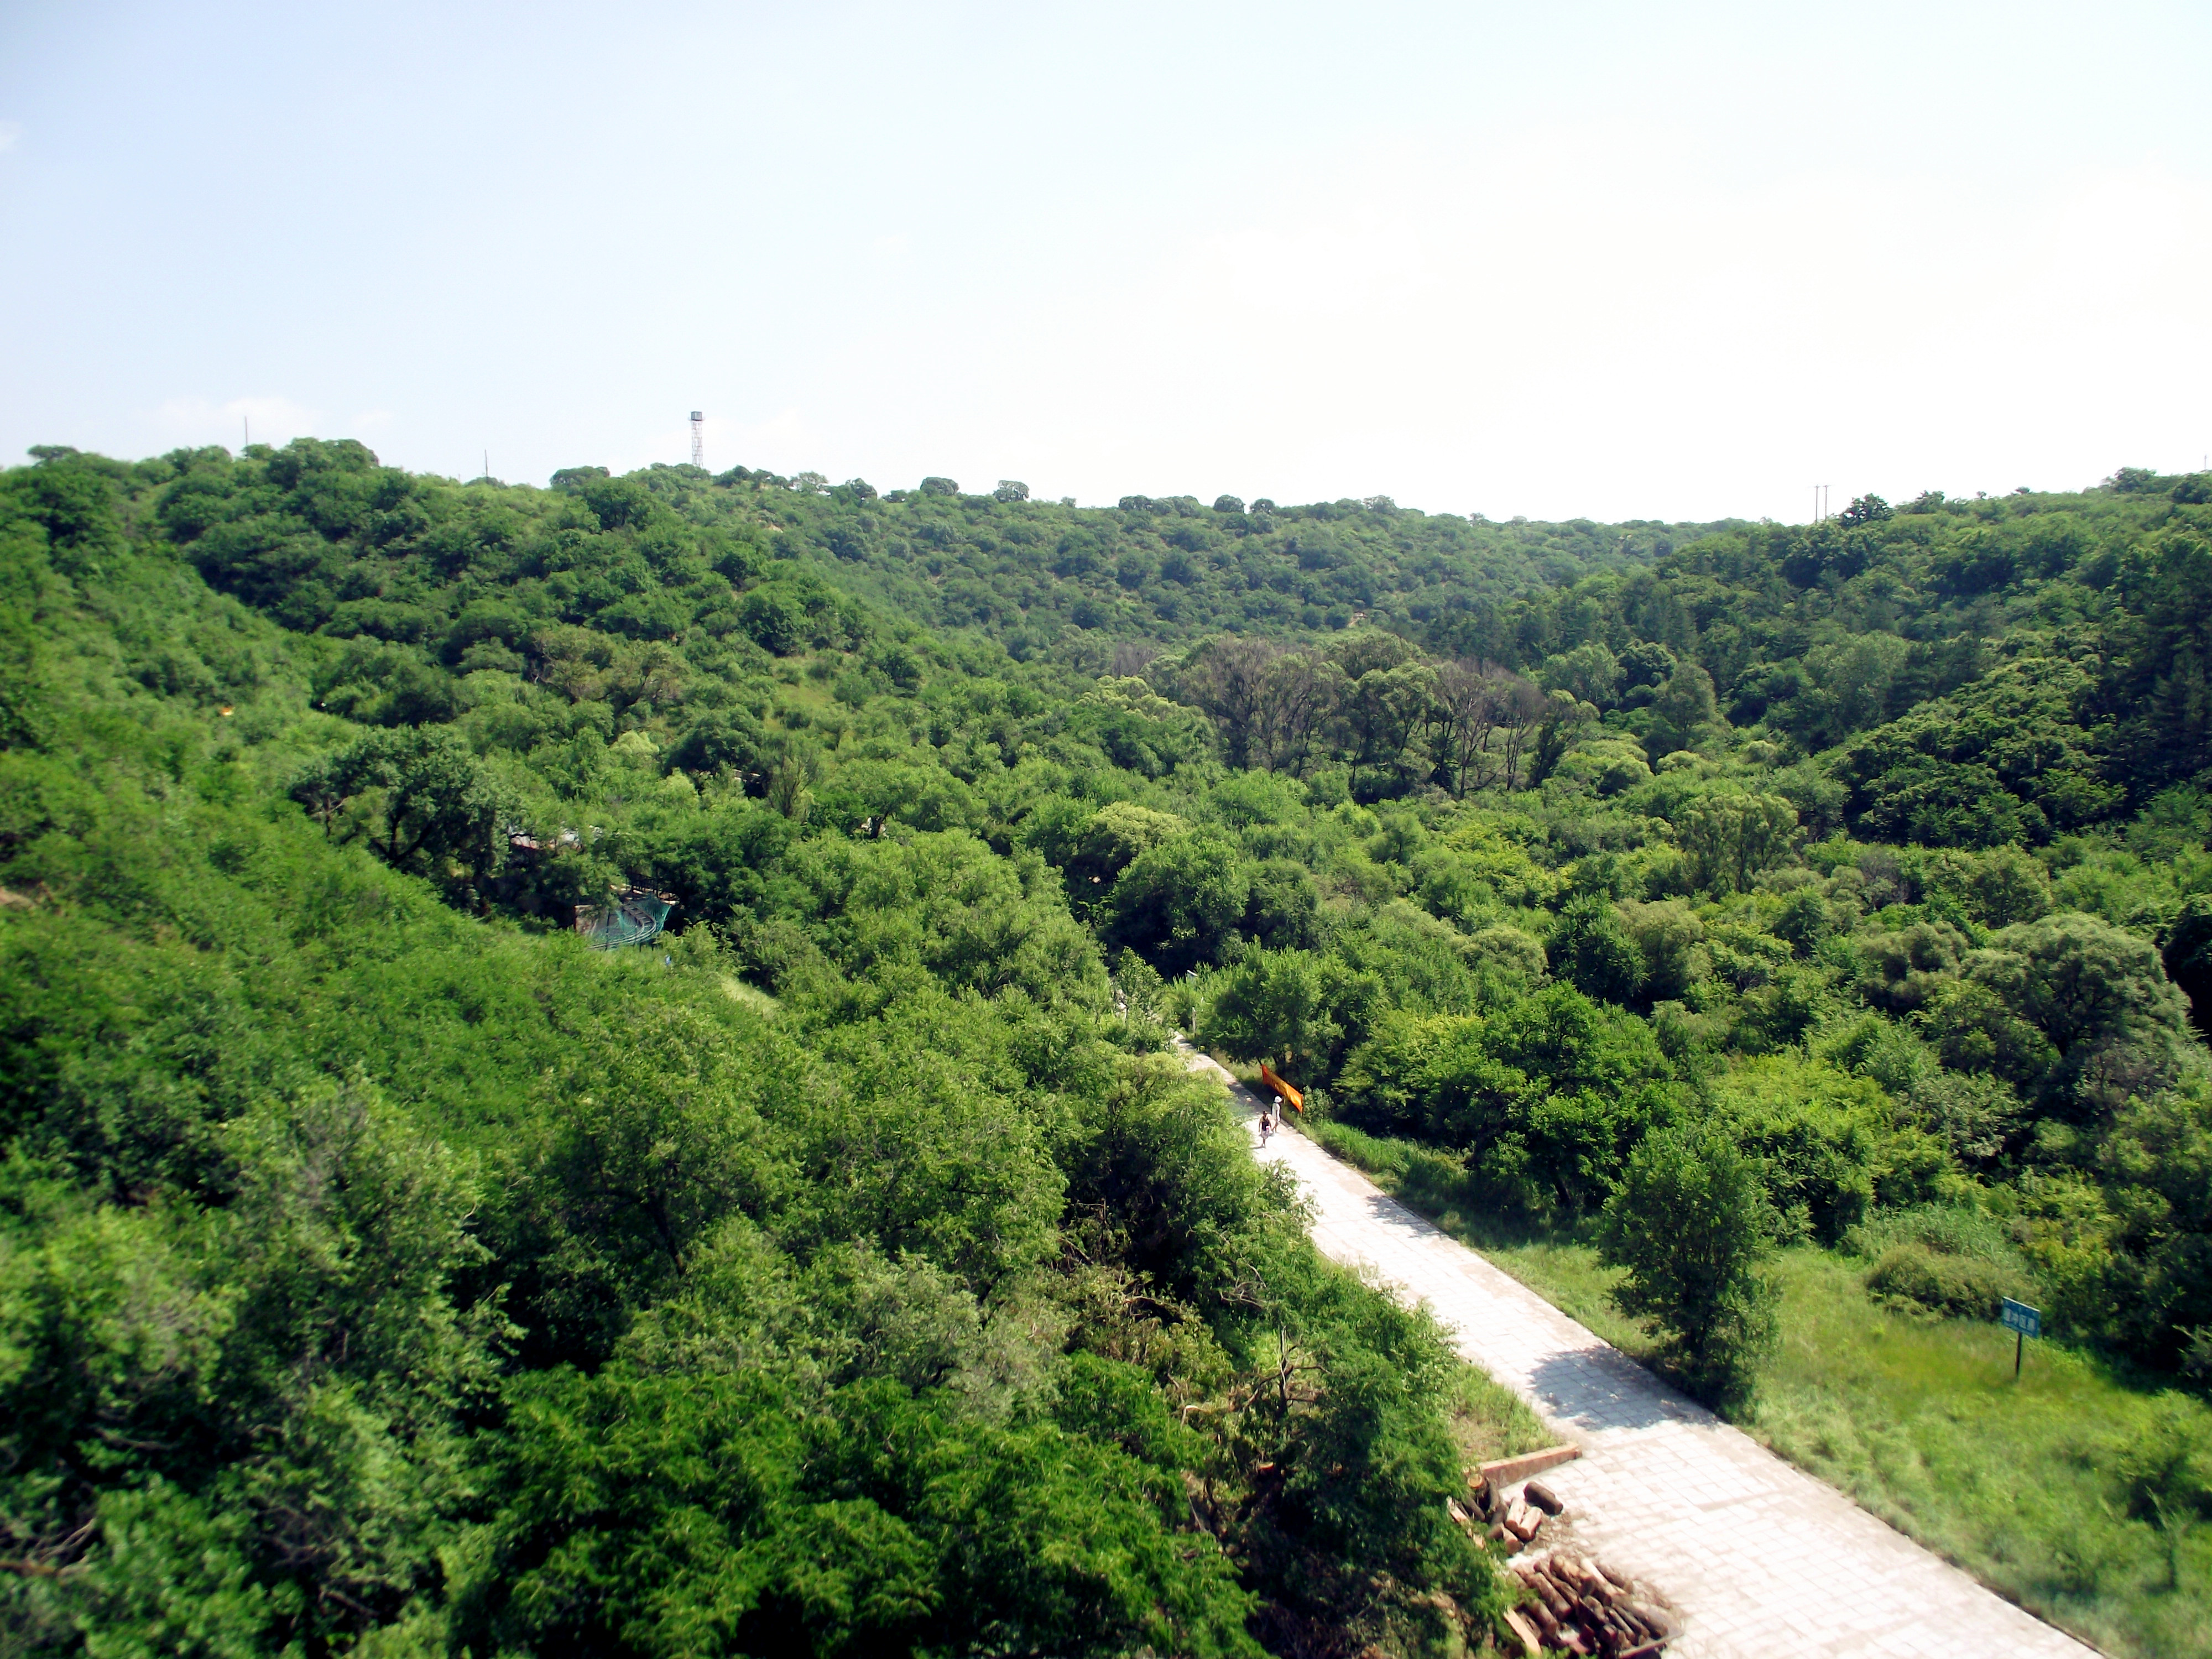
(1576, 1606)
(1583, 1608)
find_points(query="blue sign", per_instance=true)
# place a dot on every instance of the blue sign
(2019, 1317)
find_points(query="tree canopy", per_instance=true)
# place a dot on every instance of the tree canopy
(382, 1267)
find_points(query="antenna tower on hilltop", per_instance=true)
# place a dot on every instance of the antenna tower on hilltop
(698, 438)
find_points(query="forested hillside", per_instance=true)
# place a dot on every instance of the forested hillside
(384, 1269)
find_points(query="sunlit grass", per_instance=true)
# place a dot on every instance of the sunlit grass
(1920, 1421)
(1489, 1421)
(1918, 1418)
(750, 996)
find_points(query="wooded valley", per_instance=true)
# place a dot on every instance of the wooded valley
(851, 1267)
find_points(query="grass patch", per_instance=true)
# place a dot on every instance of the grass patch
(1489, 1421)
(1916, 1416)
(749, 996)
(1919, 1420)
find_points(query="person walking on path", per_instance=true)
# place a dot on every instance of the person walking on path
(1266, 1127)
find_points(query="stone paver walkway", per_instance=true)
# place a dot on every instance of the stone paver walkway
(1757, 1556)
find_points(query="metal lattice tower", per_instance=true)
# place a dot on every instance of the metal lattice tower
(698, 438)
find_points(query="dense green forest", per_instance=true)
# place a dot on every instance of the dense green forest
(384, 1269)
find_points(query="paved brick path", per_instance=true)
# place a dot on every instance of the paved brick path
(1759, 1558)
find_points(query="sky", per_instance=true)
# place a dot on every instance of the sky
(1674, 262)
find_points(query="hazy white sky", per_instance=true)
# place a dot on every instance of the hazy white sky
(1621, 261)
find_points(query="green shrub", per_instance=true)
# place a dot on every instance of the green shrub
(1948, 1229)
(1948, 1260)
(2164, 1478)
(1691, 1225)
(1961, 1285)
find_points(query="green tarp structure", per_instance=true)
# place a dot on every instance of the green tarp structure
(629, 917)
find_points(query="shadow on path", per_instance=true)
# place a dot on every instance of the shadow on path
(1600, 1388)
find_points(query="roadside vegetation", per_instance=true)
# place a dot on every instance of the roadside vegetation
(2029, 1485)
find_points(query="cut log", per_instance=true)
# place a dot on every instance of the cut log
(1527, 1632)
(1656, 1620)
(1596, 1584)
(1452, 1508)
(1550, 1595)
(1543, 1497)
(1547, 1626)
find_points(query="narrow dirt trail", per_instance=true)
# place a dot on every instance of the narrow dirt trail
(1759, 1558)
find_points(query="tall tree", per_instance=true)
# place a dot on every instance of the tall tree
(1229, 680)
(1691, 1225)
(1730, 838)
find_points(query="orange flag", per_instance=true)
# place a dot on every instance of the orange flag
(1268, 1077)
